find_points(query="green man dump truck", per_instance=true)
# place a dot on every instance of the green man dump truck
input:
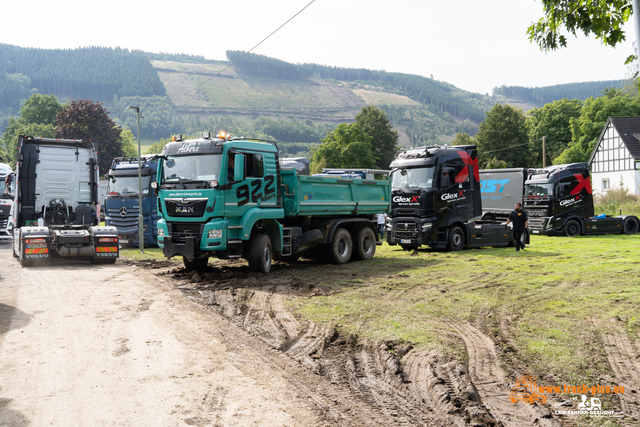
(436, 201)
(56, 207)
(229, 198)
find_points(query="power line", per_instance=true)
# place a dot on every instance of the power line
(513, 146)
(245, 54)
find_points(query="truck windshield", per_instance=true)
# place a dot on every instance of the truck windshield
(128, 184)
(539, 190)
(412, 178)
(183, 169)
(6, 193)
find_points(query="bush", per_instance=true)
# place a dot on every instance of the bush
(616, 200)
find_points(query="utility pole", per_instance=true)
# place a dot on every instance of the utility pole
(544, 156)
(140, 219)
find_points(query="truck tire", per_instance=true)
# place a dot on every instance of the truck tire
(340, 249)
(630, 225)
(260, 254)
(364, 243)
(456, 239)
(572, 228)
(488, 217)
(196, 264)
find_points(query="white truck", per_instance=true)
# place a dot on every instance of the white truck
(56, 206)
(6, 196)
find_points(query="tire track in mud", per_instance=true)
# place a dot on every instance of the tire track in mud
(359, 383)
(491, 383)
(624, 359)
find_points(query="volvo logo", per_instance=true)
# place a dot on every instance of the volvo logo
(123, 212)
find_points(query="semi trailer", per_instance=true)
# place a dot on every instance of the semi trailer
(229, 198)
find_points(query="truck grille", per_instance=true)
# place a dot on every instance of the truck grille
(187, 208)
(180, 231)
(537, 212)
(3, 223)
(537, 223)
(125, 219)
(405, 230)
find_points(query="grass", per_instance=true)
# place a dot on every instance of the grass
(550, 300)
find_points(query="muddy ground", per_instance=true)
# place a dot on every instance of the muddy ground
(148, 343)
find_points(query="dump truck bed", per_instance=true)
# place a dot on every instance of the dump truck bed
(333, 196)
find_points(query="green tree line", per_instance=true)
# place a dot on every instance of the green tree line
(544, 95)
(92, 72)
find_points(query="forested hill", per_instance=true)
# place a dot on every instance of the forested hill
(94, 73)
(442, 96)
(540, 96)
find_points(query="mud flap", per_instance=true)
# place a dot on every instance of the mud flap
(186, 249)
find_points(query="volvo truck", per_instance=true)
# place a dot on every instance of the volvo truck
(559, 201)
(56, 207)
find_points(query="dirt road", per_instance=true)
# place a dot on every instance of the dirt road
(84, 345)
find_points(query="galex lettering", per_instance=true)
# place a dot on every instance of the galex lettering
(571, 201)
(452, 196)
(400, 199)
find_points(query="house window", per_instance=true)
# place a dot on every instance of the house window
(606, 184)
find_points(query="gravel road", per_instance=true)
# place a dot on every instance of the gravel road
(85, 345)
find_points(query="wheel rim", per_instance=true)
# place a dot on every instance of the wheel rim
(457, 239)
(343, 248)
(267, 258)
(367, 245)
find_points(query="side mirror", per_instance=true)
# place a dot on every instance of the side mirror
(154, 186)
(238, 170)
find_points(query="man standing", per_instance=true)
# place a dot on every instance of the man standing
(520, 223)
(382, 222)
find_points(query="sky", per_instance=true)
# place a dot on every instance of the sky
(474, 45)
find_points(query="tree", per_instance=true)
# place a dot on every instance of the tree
(384, 140)
(89, 121)
(345, 147)
(503, 136)
(37, 118)
(463, 139)
(129, 143)
(593, 116)
(552, 121)
(603, 18)
(41, 109)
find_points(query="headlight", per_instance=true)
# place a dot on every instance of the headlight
(160, 232)
(215, 234)
(427, 226)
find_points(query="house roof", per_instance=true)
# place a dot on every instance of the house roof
(628, 129)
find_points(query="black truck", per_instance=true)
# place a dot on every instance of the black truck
(436, 201)
(559, 200)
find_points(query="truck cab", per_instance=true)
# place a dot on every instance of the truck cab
(435, 195)
(56, 206)
(559, 200)
(7, 186)
(122, 208)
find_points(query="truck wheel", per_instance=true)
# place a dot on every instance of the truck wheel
(488, 217)
(572, 228)
(196, 264)
(340, 249)
(630, 225)
(261, 253)
(365, 243)
(456, 239)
